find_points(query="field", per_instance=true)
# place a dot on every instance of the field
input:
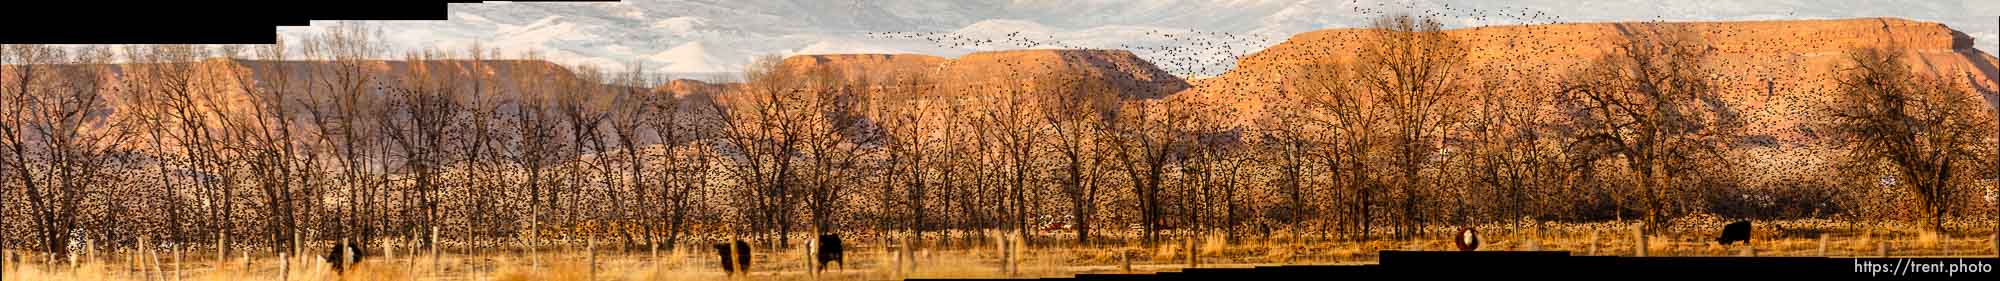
(968, 256)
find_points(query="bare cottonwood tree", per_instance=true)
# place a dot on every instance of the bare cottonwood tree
(1073, 109)
(914, 132)
(1916, 130)
(59, 140)
(535, 149)
(1146, 144)
(762, 135)
(1354, 125)
(836, 136)
(1654, 103)
(263, 134)
(631, 105)
(1415, 67)
(340, 105)
(1010, 118)
(1510, 143)
(686, 150)
(423, 105)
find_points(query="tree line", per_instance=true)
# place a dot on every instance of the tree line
(268, 147)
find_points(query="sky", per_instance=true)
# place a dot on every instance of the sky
(714, 39)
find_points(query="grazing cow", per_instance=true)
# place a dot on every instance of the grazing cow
(829, 250)
(1468, 240)
(333, 256)
(1736, 231)
(742, 257)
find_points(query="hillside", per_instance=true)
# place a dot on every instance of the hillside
(982, 72)
(1775, 69)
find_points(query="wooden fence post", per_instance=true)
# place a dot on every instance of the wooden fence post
(178, 262)
(1125, 260)
(1882, 248)
(434, 251)
(909, 253)
(1593, 243)
(1188, 246)
(1822, 244)
(1639, 241)
(591, 246)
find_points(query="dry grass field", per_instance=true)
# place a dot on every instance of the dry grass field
(959, 259)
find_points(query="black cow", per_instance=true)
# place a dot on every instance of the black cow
(333, 256)
(1736, 231)
(829, 250)
(742, 257)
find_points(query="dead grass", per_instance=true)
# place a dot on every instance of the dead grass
(868, 261)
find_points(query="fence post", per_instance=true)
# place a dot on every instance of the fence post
(590, 244)
(1882, 248)
(177, 262)
(284, 267)
(810, 252)
(1822, 244)
(1593, 243)
(434, 251)
(1125, 260)
(909, 253)
(1188, 245)
(138, 254)
(1639, 241)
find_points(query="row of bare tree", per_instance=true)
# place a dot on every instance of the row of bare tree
(268, 149)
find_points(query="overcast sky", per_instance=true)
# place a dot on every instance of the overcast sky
(1189, 37)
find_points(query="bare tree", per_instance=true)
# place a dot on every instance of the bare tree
(1073, 109)
(1909, 128)
(59, 144)
(630, 107)
(913, 133)
(582, 104)
(534, 148)
(1415, 67)
(422, 107)
(1011, 121)
(479, 138)
(836, 136)
(264, 135)
(1146, 144)
(762, 133)
(1653, 102)
(1353, 121)
(339, 106)
(685, 151)
(1509, 143)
